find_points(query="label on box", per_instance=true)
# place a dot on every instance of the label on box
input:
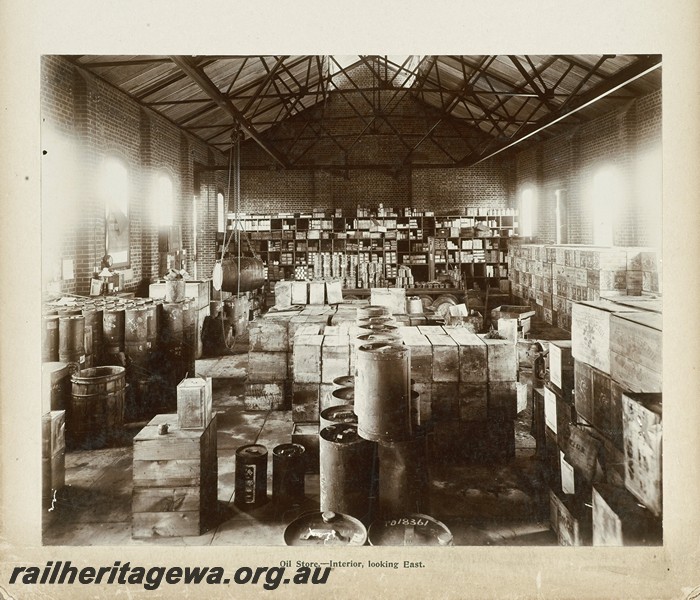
(550, 409)
(568, 484)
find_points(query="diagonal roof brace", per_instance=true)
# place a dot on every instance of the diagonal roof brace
(198, 75)
(644, 64)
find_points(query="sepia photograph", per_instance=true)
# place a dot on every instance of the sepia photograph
(338, 323)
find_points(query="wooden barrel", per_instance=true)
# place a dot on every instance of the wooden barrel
(71, 340)
(382, 392)
(96, 412)
(49, 338)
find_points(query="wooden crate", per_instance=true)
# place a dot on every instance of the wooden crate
(53, 476)
(266, 396)
(421, 354)
(335, 357)
(53, 432)
(571, 522)
(268, 335)
(199, 290)
(305, 402)
(283, 294)
(300, 292)
(424, 390)
(502, 359)
(636, 351)
(558, 415)
(334, 292)
(502, 399)
(473, 402)
(583, 387)
(445, 358)
(194, 403)
(175, 479)
(642, 427)
(265, 367)
(445, 400)
(392, 298)
(307, 358)
(619, 520)
(473, 364)
(561, 366)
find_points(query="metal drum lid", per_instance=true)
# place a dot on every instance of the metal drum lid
(341, 433)
(409, 530)
(288, 450)
(325, 529)
(384, 350)
(345, 394)
(344, 381)
(252, 451)
(343, 413)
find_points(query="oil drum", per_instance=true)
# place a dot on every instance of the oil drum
(93, 333)
(372, 310)
(412, 529)
(326, 528)
(288, 471)
(382, 392)
(250, 476)
(344, 381)
(113, 329)
(403, 476)
(343, 396)
(346, 471)
(249, 277)
(49, 338)
(173, 324)
(55, 386)
(71, 341)
(414, 306)
(342, 413)
(136, 337)
(379, 328)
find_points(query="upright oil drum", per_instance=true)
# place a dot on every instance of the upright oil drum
(55, 386)
(250, 476)
(343, 396)
(326, 528)
(344, 381)
(403, 476)
(342, 413)
(96, 412)
(382, 392)
(113, 319)
(93, 333)
(373, 310)
(136, 338)
(71, 341)
(288, 472)
(346, 471)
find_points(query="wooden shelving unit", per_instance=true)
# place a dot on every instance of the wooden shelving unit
(471, 247)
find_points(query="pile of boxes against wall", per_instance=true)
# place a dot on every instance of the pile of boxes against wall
(383, 247)
(598, 425)
(115, 358)
(175, 470)
(551, 278)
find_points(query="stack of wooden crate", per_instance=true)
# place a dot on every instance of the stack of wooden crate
(609, 437)
(175, 467)
(551, 278)
(53, 456)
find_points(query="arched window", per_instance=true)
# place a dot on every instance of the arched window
(607, 189)
(164, 200)
(220, 213)
(527, 212)
(115, 192)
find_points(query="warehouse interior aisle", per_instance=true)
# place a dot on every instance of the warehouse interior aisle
(482, 504)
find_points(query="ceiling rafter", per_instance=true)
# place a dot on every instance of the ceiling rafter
(197, 74)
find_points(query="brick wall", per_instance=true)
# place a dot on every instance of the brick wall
(84, 122)
(627, 140)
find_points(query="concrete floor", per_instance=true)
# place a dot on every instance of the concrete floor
(496, 504)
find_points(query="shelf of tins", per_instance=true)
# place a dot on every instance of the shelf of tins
(471, 247)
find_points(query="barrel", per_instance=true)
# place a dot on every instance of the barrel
(372, 310)
(49, 338)
(173, 323)
(288, 471)
(378, 328)
(403, 476)
(71, 340)
(382, 392)
(383, 320)
(343, 396)
(251, 275)
(412, 529)
(55, 386)
(136, 337)
(346, 463)
(93, 333)
(325, 529)
(175, 290)
(344, 381)
(113, 319)
(96, 412)
(342, 413)
(250, 476)
(414, 306)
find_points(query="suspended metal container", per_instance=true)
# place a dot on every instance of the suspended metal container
(382, 392)
(326, 528)
(346, 471)
(248, 278)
